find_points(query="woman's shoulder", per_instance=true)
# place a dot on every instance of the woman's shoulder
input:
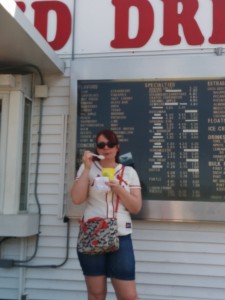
(128, 169)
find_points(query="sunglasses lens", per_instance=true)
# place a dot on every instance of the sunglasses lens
(111, 144)
(102, 145)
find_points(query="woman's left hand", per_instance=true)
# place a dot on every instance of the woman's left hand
(131, 200)
(114, 186)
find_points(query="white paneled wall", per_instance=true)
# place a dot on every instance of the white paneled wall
(180, 260)
(175, 261)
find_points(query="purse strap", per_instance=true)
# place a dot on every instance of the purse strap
(120, 181)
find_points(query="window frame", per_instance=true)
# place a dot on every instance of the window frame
(26, 148)
(4, 98)
(13, 99)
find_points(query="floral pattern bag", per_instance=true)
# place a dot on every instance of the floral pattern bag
(99, 235)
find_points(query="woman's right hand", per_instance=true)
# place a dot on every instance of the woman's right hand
(87, 159)
(79, 191)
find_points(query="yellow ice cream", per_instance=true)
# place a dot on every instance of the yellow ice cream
(108, 172)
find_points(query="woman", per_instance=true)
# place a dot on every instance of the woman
(119, 265)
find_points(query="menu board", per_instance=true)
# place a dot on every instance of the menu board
(171, 131)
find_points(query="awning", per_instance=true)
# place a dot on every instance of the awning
(21, 43)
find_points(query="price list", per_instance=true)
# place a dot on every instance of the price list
(171, 131)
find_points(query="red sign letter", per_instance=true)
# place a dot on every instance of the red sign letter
(218, 34)
(172, 19)
(145, 27)
(63, 26)
(21, 5)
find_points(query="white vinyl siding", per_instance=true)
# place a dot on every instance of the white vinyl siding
(50, 191)
(40, 284)
(180, 260)
(175, 261)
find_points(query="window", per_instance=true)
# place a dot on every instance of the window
(15, 128)
(25, 155)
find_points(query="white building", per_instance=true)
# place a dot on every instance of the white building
(48, 49)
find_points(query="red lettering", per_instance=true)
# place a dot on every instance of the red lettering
(63, 26)
(218, 33)
(177, 14)
(146, 23)
(172, 19)
(21, 5)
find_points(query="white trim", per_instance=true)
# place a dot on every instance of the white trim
(14, 153)
(3, 141)
(36, 50)
(62, 165)
(19, 225)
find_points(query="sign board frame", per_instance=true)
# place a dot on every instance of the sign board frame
(149, 68)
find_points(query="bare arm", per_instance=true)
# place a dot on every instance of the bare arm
(80, 188)
(79, 191)
(132, 201)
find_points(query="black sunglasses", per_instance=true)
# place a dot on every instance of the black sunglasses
(102, 145)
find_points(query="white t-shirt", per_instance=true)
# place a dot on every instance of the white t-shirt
(102, 204)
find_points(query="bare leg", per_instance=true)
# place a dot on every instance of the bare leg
(96, 286)
(125, 289)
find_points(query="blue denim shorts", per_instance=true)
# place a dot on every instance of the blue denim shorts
(119, 264)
